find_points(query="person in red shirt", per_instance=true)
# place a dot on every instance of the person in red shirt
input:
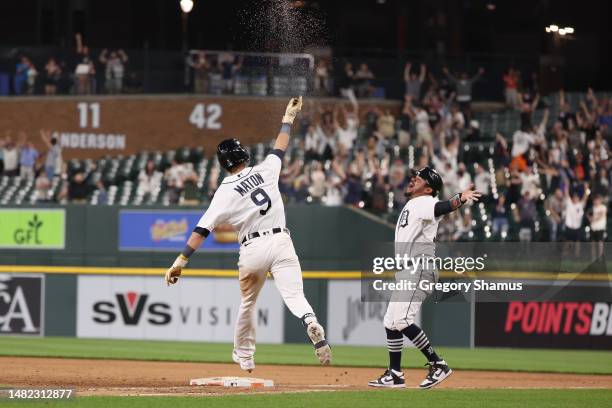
(511, 90)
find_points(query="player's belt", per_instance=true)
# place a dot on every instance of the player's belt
(258, 234)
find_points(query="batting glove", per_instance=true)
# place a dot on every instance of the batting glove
(175, 270)
(294, 107)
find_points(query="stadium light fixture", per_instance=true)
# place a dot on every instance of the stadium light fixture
(186, 5)
(564, 32)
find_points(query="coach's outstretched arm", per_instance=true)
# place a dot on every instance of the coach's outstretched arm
(456, 201)
(294, 107)
(196, 239)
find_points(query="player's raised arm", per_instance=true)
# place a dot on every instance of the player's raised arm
(294, 107)
(456, 201)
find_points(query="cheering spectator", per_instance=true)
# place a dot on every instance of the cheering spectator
(114, 69)
(386, 124)
(229, 66)
(500, 217)
(346, 82)
(413, 81)
(464, 85)
(598, 220)
(201, 72)
(527, 214)
(464, 179)
(20, 79)
(42, 187)
(521, 141)
(574, 211)
(174, 180)
(53, 76)
(555, 210)
(85, 70)
(27, 159)
(405, 123)
(53, 161)
(347, 133)
(455, 118)
(482, 181)
(511, 81)
(84, 74)
(423, 129)
(78, 189)
(31, 80)
(317, 182)
(321, 80)
(364, 78)
(191, 192)
(149, 179)
(565, 111)
(10, 155)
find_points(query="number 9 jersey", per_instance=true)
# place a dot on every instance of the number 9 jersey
(249, 200)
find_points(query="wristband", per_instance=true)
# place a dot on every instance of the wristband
(285, 128)
(180, 261)
(187, 252)
(456, 201)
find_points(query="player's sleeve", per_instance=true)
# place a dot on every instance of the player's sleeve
(213, 216)
(274, 161)
(426, 212)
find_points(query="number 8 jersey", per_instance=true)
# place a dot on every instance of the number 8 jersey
(249, 200)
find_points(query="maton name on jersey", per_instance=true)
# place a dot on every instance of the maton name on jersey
(249, 183)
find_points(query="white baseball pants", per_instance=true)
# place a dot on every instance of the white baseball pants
(274, 254)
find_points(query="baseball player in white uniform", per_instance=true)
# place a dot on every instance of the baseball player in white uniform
(249, 200)
(415, 232)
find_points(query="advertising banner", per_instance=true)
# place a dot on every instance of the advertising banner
(579, 318)
(352, 321)
(161, 230)
(21, 304)
(197, 309)
(32, 228)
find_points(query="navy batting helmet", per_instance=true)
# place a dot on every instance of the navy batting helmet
(231, 153)
(432, 178)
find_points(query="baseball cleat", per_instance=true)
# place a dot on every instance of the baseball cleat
(389, 379)
(438, 372)
(247, 364)
(317, 337)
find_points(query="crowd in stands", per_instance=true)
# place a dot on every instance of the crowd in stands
(545, 180)
(79, 73)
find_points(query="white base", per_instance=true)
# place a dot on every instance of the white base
(232, 382)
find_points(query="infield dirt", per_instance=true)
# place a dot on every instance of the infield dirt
(126, 377)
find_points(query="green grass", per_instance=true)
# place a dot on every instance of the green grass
(568, 361)
(367, 399)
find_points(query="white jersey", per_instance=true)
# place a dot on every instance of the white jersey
(249, 200)
(417, 223)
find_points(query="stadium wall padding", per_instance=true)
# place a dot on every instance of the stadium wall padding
(325, 238)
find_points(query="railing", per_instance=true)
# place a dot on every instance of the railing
(162, 71)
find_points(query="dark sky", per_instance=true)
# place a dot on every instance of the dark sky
(463, 25)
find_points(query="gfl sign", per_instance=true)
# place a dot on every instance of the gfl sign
(131, 307)
(29, 235)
